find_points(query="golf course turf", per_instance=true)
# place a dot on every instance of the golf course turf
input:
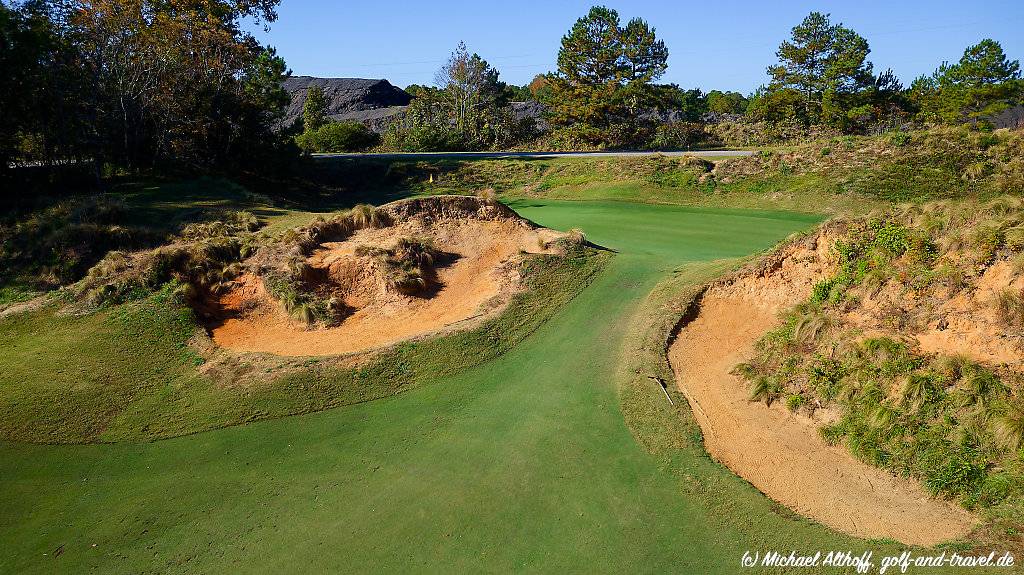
(524, 463)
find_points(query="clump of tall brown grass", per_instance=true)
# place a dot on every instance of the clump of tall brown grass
(206, 256)
(576, 237)
(487, 196)
(333, 229)
(367, 216)
(1009, 306)
(407, 266)
(1009, 425)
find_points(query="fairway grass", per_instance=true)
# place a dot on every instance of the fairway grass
(523, 463)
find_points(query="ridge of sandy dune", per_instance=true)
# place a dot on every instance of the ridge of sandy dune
(782, 454)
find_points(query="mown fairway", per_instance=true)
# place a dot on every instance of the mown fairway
(521, 464)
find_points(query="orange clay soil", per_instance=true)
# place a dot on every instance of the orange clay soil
(779, 452)
(476, 277)
(970, 325)
(962, 323)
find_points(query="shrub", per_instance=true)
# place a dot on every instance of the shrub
(405, 267)
(303, 312)
(230, 224)
(578, 137)
(366, 216)
(823, 290)
(981, 387)
(420, 252)
(987, 237)
(899, 139)
(1009, 425)
(826, 375)
(576, 237)
(487, 195)
(765, 389)
(795, 401)
(916, 390)
(891, 237)
(630, 134)
(809, 325)
(1014, 237)
(338, 137)
(958, 475)
(424, 138)
(679, 136)
(405, 279)
(303, 306)
(833, 433)
(752, 133)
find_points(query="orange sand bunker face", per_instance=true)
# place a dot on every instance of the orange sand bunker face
(779, 452)
(782, 453)
(479, 280)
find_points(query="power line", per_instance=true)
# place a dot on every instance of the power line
(417, 62)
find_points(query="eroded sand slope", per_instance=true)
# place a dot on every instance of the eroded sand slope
(781, 453)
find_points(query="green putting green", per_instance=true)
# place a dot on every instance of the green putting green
(521, 464)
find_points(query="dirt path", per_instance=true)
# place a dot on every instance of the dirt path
(23, 307)
(782, 454)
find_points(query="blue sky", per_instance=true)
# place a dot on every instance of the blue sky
(712, 45)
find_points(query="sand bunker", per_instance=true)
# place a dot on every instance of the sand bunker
(474, 277)
(779, 452)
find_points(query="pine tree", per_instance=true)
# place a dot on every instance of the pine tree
(982, 83)
(469, 90)
(827, 64)
(605, 70)
(314, 110)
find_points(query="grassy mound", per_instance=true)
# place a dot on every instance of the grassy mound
(50, 242)
(900, 167)
(55, 245)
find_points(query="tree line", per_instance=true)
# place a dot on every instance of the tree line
(130, 85)
(604, 92)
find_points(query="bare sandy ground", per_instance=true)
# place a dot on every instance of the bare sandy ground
(968, 324)
(781, 453)
(23, 307)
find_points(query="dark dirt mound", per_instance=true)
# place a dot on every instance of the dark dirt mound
(345, 96)
(1012, 118)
